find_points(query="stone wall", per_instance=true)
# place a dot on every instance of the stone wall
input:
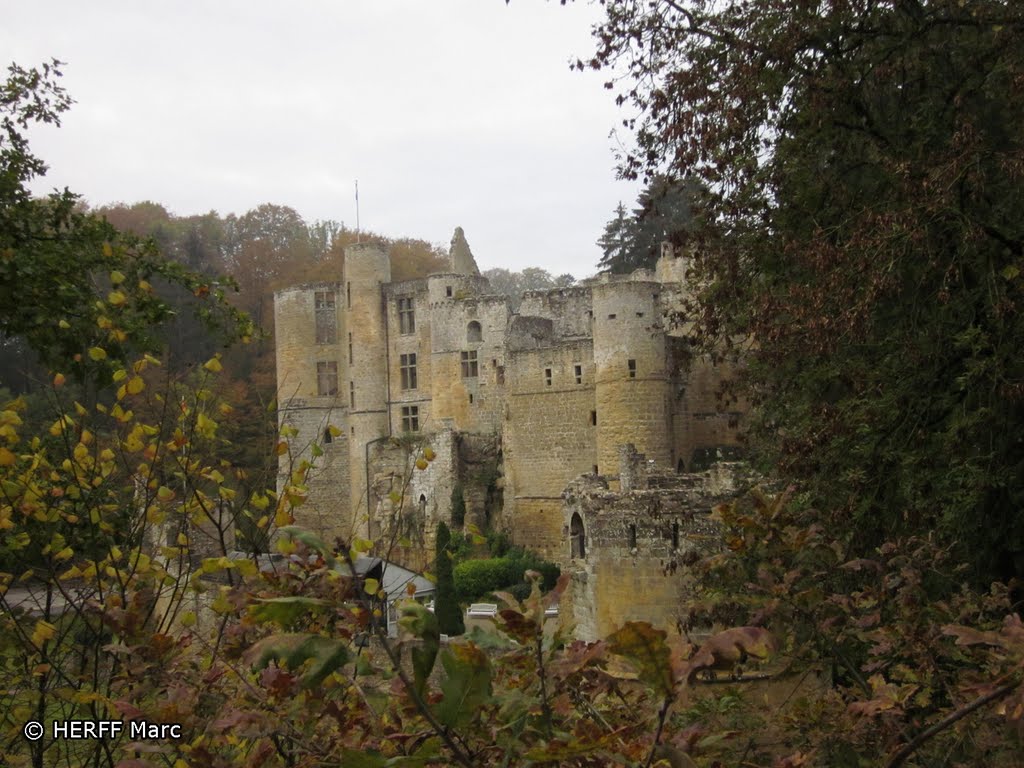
(638, 543)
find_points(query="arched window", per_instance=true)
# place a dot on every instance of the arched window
(577, 536)
(474, 332)
(423, 506)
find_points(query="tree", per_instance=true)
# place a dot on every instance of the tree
(861, 241)
(70, 284)
(664, 214)
(446, 607)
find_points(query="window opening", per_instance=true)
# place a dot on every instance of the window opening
(408, 368)
(632, 535)
(577, 536)
(470, 367)
(578, 372)
(406, 316)
(547, 376)
(348, 295)
(350, 349)
(631, 364)
(474, 332)
(326, 378)
(410, 418)
(352, 394)
(328, 437)
(326, 317)
(611, 316)
(448, 291)
(593, 418)
(675, 536)
(470, 398)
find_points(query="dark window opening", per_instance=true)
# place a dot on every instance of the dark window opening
(350, 349)
(594, 468)
(406, 316)
(474, 332)
(593, 418)
(410, 418)
(611, 316)
(680, 467)
(632, 536)
(577, 537)
(631, 364)
(348, 295)
(578, 372)
(675, 536)
(470, 398)
(352, 394)
(408, 370)
(500, 376)
(547, 376)
(327, 378)
(470, 368)
(448, 291)
(639, 314)
(328, 437)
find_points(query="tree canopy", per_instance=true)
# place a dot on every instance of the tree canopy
(861, 239)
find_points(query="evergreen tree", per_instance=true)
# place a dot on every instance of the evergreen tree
(446, 608)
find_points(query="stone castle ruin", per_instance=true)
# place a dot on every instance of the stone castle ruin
(516, 406)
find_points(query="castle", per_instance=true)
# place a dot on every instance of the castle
(515, 405)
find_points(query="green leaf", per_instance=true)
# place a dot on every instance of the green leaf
(422, 624)
(326, 655)
(645, 646)
(285, 610)
(467, 686)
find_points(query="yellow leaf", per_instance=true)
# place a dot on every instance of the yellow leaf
(116, 277)
(188, 619)
(119, 375)
(64, 325)
(65, 554)
(107, 250)
(164, 493)
(7, 458)
(116, 298)
(43, 631)
(421, 464)
(372, 586)
(58, 380)
(213, 365)
(135, 385)
(97, 353)
(145, 287)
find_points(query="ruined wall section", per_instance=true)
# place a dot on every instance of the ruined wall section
(306, 405)
(569, 309)
(632, 378)
(638, 545)
(367, 269)
(549, 436)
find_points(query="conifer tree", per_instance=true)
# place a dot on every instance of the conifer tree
(449, 615)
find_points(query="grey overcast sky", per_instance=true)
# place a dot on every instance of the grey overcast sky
(448, 112)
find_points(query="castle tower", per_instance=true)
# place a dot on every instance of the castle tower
(311, 411)
(365, 388)
(632, 391)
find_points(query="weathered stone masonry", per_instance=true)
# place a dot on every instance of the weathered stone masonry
(517, 405)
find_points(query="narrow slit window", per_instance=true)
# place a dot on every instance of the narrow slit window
(578, 373)
(675, 536)
(593, 418)
(631, 365)
(352, 394)
(350, 349)
(547, 377)
(632, 535)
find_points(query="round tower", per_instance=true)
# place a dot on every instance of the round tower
(364, 389)
(632, 390)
